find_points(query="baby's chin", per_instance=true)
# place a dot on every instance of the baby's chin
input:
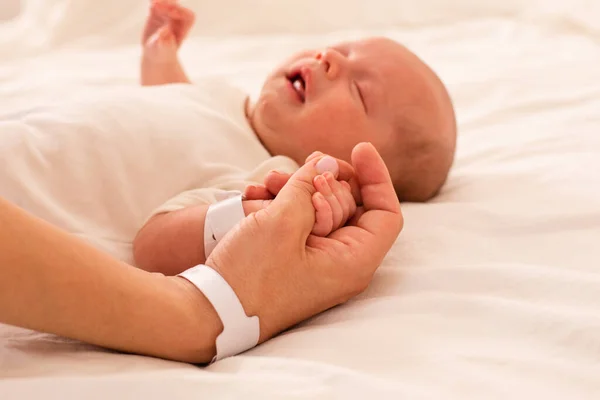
(249, 108)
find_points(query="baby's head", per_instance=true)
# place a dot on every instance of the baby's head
(372, 90)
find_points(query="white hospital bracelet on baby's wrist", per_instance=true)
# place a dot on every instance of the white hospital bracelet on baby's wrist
(240, 332)
(220, 218)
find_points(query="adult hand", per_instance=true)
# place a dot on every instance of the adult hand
(275, 181)
(283, 274)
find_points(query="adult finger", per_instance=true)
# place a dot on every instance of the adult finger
(257, 192)
(346, 174)
(314, 155)
(294, 201)
(374, 179)
(346, 171)
(275, 180)
(378, 226)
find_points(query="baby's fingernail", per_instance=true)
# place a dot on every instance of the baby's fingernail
(276, 172)
(320, 180)
(327, 164)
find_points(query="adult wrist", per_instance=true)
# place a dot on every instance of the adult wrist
(240, 330)
(197, 339)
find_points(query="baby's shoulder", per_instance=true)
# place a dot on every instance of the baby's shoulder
(216, 92)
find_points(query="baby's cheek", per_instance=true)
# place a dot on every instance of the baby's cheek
(334, 114)
(330, 129)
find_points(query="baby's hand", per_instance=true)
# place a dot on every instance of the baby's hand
(275, 181)
(166, 28)
(333, 202)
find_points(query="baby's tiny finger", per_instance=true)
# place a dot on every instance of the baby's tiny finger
(322, 186)
(257, 192)
(187, 14)
(337, 191)
(160, 9)
(249, 193)
(323, 216)
(349, 200)
(175, 12)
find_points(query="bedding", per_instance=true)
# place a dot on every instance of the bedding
(493, 288)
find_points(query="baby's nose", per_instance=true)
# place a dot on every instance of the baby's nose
(333, 62)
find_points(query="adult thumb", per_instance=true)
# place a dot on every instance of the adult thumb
(293, 204)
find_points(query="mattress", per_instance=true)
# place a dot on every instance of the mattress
(493, 288)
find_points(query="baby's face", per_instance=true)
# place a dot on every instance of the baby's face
(330, 99)
(372, 90)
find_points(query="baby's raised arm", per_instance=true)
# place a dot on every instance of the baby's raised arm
(166, 28)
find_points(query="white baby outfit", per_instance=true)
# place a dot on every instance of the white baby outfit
(99, 166)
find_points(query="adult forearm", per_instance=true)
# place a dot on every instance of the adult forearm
(52, 282)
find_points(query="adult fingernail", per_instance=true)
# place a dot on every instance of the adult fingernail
(313, 155)
(327, 164)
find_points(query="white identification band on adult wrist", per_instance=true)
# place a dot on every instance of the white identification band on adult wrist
(240, 332)
(220, 218)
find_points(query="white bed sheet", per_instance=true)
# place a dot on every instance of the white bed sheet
(492, 290)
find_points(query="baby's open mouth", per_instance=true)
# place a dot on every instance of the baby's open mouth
(299, 85)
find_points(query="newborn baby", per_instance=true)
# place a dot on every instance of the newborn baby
(325, 100)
